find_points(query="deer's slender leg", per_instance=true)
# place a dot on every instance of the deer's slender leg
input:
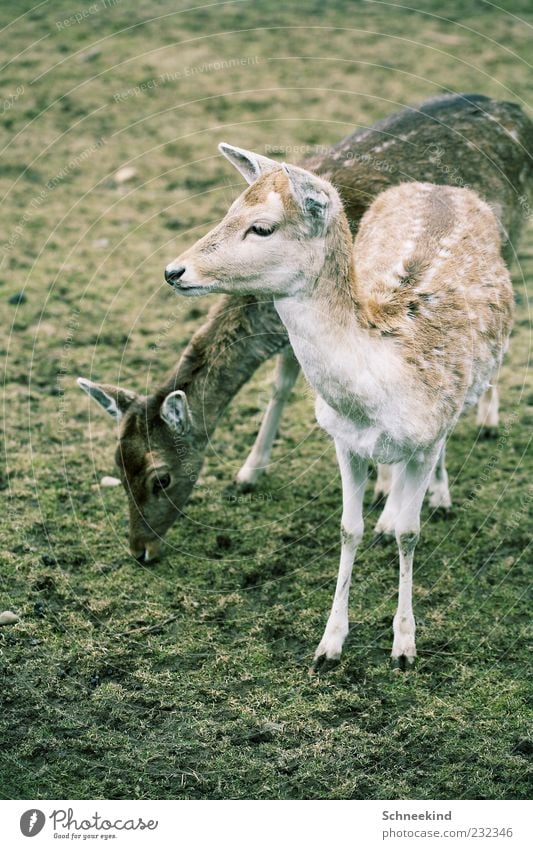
(415, 475)
(488, 413)
(353, 471)
(287, 370)
(383, 484)
(387, 521)
(439, 493)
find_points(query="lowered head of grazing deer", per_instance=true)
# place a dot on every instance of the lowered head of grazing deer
(162, 437)
(271, 241)
(154, 432)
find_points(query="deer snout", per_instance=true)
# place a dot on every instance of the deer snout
(173, 274)
(146, 552)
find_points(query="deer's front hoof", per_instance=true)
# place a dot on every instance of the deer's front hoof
(439, 514)
(323, 664)
(402, 663)
(488, 432)
(329, 649)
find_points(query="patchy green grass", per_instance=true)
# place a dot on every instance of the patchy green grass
(188, 679)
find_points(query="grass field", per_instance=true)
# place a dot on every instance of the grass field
(188, 679)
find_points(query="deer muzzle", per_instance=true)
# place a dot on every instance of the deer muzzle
(146, 552)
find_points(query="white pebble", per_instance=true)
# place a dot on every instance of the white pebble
(125, 174)
(107, 480)
(8, 618)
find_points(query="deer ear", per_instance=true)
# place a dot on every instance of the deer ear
(175, 412)
(251, 165)
(309, 194)
(113, 399)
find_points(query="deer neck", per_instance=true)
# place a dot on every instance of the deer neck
(326, 322)
(239, 335)
(336, 288)
(332, 301)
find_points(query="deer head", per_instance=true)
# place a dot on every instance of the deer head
(272, 240)
(157, 459)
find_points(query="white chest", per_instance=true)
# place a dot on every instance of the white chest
(366, 393)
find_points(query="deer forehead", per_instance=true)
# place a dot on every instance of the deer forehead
(244, 209)
(271, 189)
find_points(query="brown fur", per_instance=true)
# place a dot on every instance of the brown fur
(448, 303)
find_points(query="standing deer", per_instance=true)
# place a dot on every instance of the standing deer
(397, 333)
(464, 139)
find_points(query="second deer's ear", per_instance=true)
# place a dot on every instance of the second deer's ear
(175, 411)
(251, 165)
(113, 399)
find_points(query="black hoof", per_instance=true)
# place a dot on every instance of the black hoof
(402, 663)
(234, 489)
(245, 486)
(439, 514)
(323, 664)
(488, 432)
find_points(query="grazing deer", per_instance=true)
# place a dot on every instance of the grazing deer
(397, 333)
(464, 140)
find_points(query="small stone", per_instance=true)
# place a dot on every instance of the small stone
(90, 55)
(101, 243)
(107, 480)
(123, 175)
(8, 618)
(18, 298)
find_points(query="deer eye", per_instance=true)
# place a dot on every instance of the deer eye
(161, 482)
(261, 229)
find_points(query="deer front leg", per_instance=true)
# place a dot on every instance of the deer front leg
(285, 377)
(353, 471)
(488, 413)
(415, 475)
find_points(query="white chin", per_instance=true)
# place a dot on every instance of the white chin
(193, 291)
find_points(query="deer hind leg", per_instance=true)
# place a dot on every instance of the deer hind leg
(382, 485)
(353, 474)
(488, 413)
(259, 457)
(415, 476)
(439, 493)
(386, 524)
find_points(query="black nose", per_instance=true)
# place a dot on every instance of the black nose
(174, 274)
